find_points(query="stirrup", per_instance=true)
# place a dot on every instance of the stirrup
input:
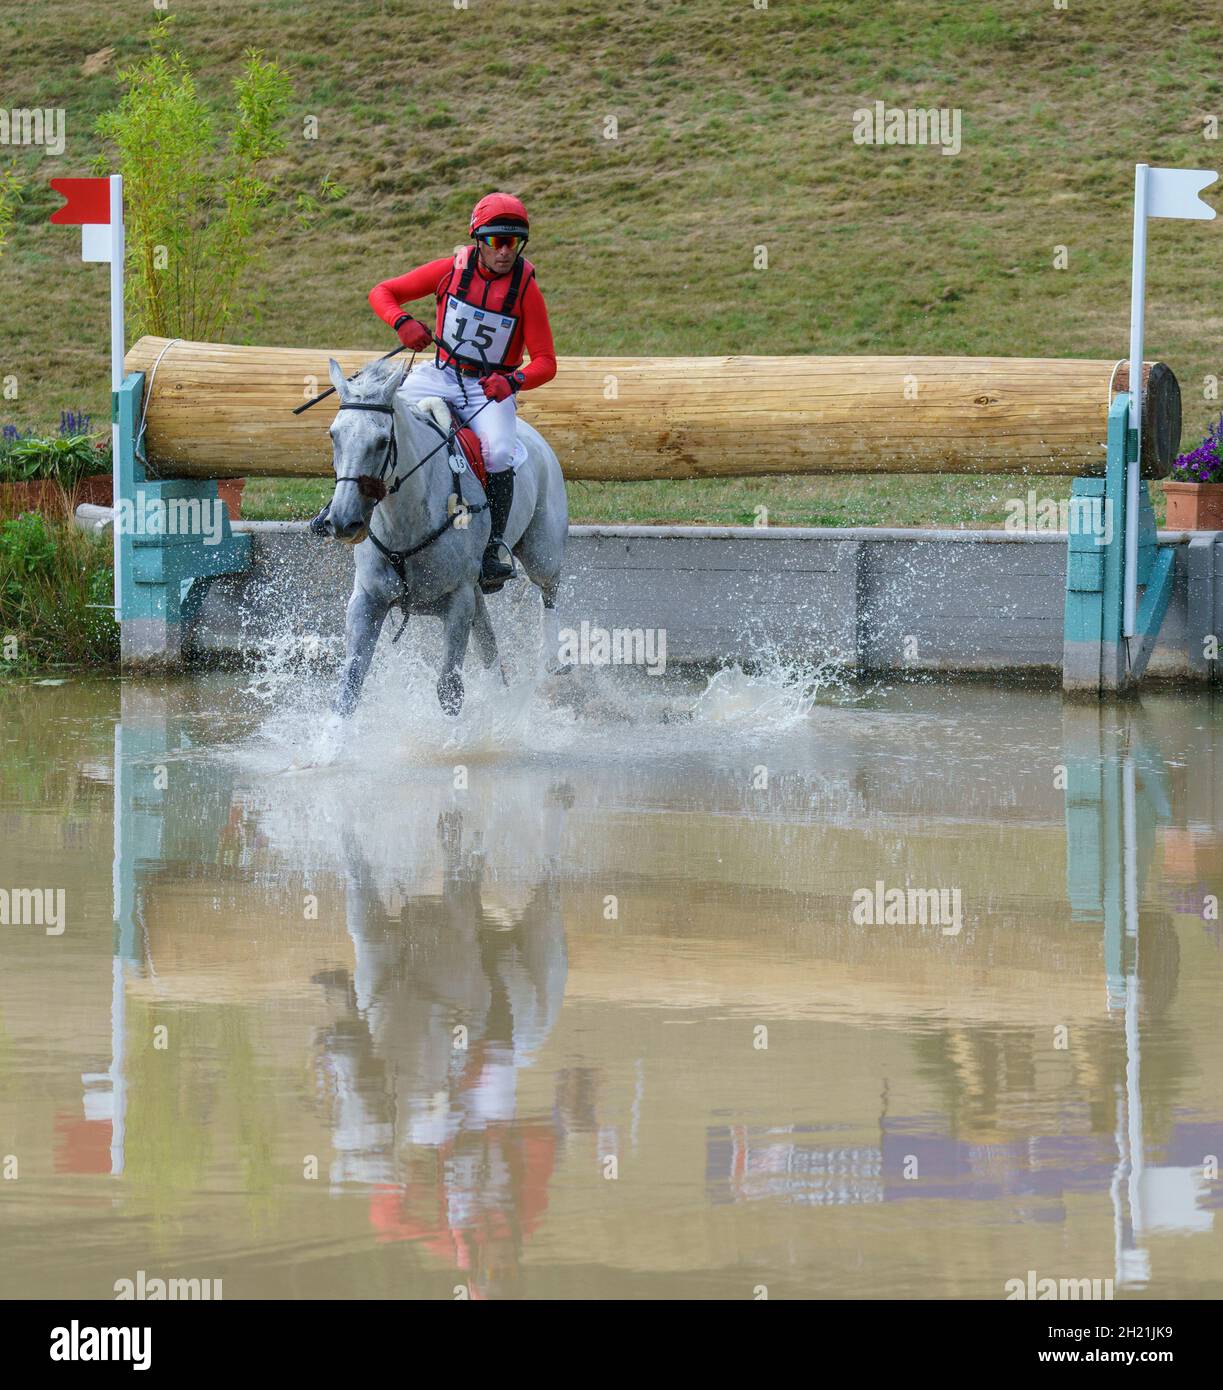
(494, 572)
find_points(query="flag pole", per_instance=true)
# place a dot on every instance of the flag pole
(1138, 277)
(117, 251)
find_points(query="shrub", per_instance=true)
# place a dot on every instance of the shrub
(55, 593)
(26, 552)
(10, 195)
(192, 200)
(65, 460)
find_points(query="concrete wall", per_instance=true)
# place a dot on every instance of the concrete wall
(881, 600)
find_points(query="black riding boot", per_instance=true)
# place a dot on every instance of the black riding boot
(318, 524)
(498, 563)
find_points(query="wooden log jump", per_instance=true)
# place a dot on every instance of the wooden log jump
(218, 411)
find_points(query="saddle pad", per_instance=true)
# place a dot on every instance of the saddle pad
(475, 455)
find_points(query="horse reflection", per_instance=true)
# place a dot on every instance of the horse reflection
(451, 996)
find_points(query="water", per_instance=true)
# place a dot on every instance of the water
(568, 999)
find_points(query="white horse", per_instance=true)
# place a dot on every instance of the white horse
(420, 528)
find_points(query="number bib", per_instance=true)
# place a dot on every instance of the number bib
(482, 335)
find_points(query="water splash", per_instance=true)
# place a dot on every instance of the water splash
(778, 692)
(519, 709)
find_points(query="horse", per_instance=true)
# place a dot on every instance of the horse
(419, 521)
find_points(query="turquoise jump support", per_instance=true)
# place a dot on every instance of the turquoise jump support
(1097, 659)
(175, 538)
(1113, 807)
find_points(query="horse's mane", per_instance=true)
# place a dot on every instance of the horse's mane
(371, 380)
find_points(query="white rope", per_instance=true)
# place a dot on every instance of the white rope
(148, 395)
(1121, 362)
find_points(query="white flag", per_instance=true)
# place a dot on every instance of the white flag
(1174, 192)
(96, 242)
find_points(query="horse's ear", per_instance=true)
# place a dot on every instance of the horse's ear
(391, 383)
(336, 374)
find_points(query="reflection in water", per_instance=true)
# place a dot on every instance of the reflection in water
(447, 1000)
(1112, 807)
(460, 1015)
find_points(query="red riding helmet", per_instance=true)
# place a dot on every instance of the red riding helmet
(499, 212)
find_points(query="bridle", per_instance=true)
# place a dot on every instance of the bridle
(374, 485)
(371, 484)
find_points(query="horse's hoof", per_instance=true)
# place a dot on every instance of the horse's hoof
(329, 742)
(450, 693)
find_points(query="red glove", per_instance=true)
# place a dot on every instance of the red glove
(412, 333)
(498, 386)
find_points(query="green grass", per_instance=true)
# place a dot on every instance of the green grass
(734, 130)
(920, 500)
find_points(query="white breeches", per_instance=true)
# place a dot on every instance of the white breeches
(496, 424)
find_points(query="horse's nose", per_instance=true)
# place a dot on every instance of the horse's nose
(346, 530)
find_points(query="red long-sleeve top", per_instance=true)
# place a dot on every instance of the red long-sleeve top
(388, 299)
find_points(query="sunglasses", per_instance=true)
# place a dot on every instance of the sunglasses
(501, 243)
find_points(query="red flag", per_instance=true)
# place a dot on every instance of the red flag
(87, 201)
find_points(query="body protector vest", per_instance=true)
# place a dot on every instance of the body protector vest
(481, 318)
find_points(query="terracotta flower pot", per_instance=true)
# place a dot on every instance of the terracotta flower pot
(45, 495)
(230, 490)
(97, 489)
(1181, 849)
(1194, 506)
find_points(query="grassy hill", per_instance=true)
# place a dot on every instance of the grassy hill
(735, 130)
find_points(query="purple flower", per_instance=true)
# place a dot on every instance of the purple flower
(1205, 463)
(70, 422)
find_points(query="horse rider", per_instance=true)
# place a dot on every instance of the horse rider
(489, 306)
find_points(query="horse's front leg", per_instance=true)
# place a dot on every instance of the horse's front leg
(486, 637)
(457, 618)
(362, 624)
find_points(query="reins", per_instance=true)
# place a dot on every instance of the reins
(373, 485)
(397, 558)
(449, 436)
